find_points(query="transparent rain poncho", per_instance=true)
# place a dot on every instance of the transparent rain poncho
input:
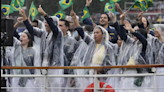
(88, 54)
(51, 54)
(129, 55)
(160, 59)
(22, 57)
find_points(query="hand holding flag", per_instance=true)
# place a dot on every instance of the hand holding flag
(122, 18)
(140, 15)
(22, 12)
(72, 13)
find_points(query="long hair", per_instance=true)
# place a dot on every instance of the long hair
(30, 43)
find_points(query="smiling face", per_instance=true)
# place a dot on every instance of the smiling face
(98, 35)
(144, 21)
(104, 20)
(24, 39)
(157, 32)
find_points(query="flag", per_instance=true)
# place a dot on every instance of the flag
(114, 1)
(139, 5)
(33, 11)
(143, 3)
(60, 14)
(85, 14)
(19, 2)
(65, 3)
(101, 0)
(150, 2)
(6, 9)
(109, 7)
(15, 5)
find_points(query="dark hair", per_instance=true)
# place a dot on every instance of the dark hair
(30, 43)
(35, 21)
(88, 28)
(134, 24)
(143, 32)
(66, 22)
(107, 16)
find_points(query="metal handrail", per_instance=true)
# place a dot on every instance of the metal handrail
(83, 67)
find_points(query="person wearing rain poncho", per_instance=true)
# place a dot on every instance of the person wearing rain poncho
(99, 52)
(153, 41)
(69, 47)
(22, 54)
(159, 33)
(51, 47)
(129, 56)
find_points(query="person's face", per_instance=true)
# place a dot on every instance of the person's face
(98, 35)
(104, 20)
(144, 21)
(157, 32)
(34, 24)
(119, 42)
(48, 29)
(62, 26)
(71, 24)
(24, 39)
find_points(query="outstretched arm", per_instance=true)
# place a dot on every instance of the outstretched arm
(122, 32)
(49, 20)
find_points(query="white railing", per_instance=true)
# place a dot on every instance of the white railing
(95, 76)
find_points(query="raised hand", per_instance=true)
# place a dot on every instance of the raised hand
(128, 26)
(88, 2)
(22, 12)
(20, 19)
(118, 8)
(112, 17)
(140, 15)
(122, 18)
(41, 11)
(73, 14)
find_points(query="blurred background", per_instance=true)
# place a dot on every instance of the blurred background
(155, 13)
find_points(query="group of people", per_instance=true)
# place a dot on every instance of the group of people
(64, 42)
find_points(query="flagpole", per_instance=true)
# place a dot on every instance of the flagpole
(72, 7)
(8, 13)
(128, 10)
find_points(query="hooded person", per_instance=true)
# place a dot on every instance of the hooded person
(22, 54)
(129, 56)
(159, 33)
(51, 47)
(99, 53)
